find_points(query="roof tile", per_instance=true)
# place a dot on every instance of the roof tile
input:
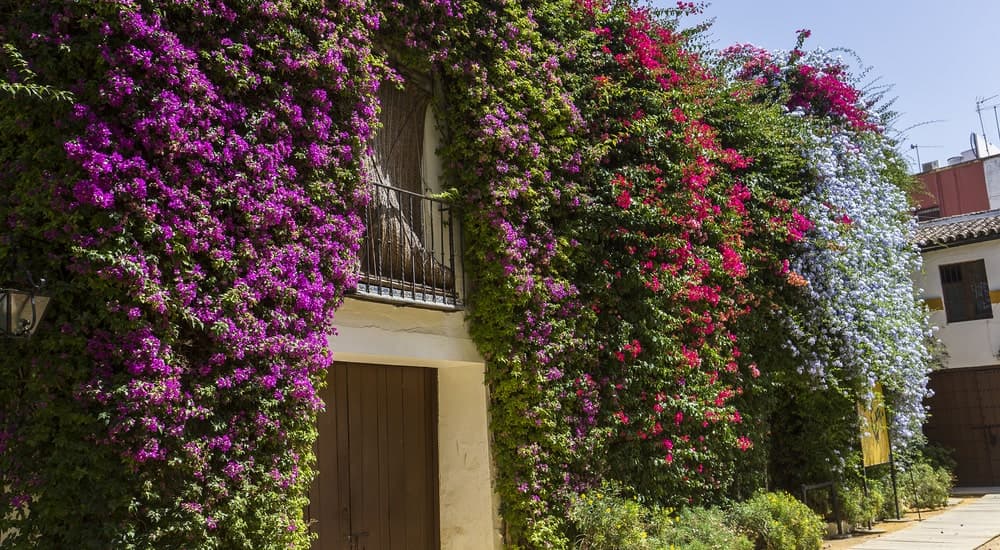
(953, 230)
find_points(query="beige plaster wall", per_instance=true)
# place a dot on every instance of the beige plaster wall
(379, 333)
(468, 516)
(387, 334)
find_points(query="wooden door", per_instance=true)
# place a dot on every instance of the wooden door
(965, 417)
(377, 487)
(988, 382)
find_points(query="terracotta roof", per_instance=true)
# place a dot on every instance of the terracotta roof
(953, 230)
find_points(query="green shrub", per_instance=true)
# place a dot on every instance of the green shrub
(925, 486)
(777, 521)
(889, 505)
(859, 507)
(939, 457)
(699, 529)
(605, 520)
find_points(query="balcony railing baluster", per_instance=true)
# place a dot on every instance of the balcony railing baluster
(410, 254)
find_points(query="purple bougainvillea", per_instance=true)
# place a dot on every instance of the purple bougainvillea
(209, 192)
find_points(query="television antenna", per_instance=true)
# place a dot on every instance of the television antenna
(917, 148)
(980, 101)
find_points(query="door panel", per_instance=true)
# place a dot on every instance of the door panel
(988, 382)
(395, 470)
(964, 416)
(377, 460)
(415, 475)
(331, 500)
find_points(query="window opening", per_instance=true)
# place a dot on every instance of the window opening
(411, 244)
(966, 291)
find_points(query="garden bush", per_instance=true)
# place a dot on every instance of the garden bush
(922, 485)
(860, 506)
(925, 486)
(778, 521)
(889, 505)
(700, 529)
(605, 520)
(938, 457)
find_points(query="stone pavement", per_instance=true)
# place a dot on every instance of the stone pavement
(964, 527)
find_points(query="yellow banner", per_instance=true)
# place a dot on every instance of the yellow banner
(874, 430)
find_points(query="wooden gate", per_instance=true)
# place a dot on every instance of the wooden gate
(377, 487)
(965, 416)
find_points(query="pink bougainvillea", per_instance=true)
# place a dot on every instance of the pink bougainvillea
(609, 248)
(819, 87)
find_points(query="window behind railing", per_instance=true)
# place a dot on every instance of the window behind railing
(413, 243)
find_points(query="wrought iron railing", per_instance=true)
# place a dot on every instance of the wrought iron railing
(411, 249)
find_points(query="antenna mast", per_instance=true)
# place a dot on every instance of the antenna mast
(979, 111)
(997, 120)
(916, 147)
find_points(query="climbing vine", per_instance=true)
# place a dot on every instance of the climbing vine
(609, 249)
(193, 192)
(857, 321)
(191, 174)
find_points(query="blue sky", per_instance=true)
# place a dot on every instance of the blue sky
(940, 56)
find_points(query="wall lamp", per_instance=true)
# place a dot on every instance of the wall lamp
(21, 310)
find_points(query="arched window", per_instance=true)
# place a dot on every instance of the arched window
(412, 243)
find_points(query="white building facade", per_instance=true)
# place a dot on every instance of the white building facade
(960, 283)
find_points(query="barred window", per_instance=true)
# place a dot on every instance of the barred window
(966, 291)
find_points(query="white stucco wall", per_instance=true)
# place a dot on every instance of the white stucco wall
(430, 163)
(468, 517)
(968, 343)
(386, 334)
(991, 170)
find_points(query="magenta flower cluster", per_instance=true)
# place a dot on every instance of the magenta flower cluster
(817, 85)
(214, 195)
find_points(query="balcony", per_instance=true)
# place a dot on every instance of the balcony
(411, 250)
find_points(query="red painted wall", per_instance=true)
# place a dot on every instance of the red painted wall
(957, 189)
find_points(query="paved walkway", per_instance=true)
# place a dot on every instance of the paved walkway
(965, 527)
